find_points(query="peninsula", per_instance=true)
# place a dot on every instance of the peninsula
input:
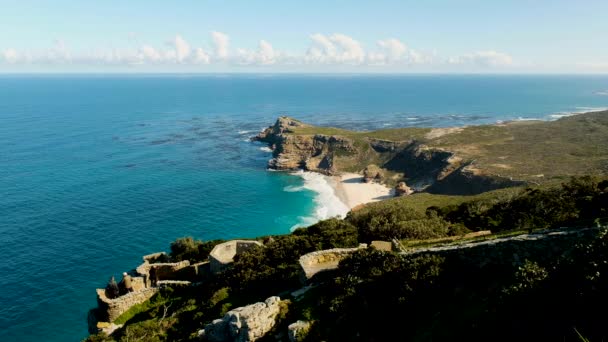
(460, 161)
(495, 232)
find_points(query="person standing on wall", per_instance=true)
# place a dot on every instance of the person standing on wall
(127, 282)
(153, 276)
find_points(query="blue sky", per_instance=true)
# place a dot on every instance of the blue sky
(544, 36)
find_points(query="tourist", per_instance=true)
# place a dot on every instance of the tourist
(153, 276)
(112, 290)
(127, 282)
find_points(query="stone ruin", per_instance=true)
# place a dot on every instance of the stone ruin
(181, 273)
(223, 254)
(168, 273)
(326, 260)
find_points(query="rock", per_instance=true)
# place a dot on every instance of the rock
(107, 327)
(247, 323)
(373, 173)
(284, 124)
(297, 331)
(403, 190)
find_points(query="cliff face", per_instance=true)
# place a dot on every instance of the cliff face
(297, 146)
(308, 152)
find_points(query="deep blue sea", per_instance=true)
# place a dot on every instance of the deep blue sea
(96, 171)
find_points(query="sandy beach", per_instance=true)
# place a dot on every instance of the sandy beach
(352, 191)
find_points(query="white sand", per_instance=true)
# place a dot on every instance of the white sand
(352, 191)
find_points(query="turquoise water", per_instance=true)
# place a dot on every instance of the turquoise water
(96, 171)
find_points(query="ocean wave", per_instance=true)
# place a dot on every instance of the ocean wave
(293, 188)
(327, 204)
(602, 93)
(245, 132)
(579, 110)
(266, 149)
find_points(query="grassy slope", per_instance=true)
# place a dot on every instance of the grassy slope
(532, 150)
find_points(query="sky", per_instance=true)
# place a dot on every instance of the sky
(380, 36)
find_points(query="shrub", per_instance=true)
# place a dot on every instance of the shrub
(187, 248)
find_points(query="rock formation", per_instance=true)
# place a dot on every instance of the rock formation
(303, 151)
(247, 323)
(283, 125)
(297, 331)
(403, 190)
(424, 163)
(373, 173)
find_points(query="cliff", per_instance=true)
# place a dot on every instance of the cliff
(465, 160)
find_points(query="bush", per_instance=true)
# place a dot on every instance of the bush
(187, 248)
(396, 220)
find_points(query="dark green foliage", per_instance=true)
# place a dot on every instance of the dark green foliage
(330, 233)
(540, 292)
(578, 202)
(373, 295)
(187, 248)
(394, 220)
(469, 295)
(262, 272)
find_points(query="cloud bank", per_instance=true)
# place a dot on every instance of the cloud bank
(335, 49)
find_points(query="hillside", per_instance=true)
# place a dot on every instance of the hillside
(530, 280)
(463, 160)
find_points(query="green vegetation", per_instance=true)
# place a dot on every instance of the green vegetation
(530, 151)
(468, 296)
(511, 291)
(189, 249)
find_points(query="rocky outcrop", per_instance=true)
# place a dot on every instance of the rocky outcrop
(283, 125)
(403, 190)
(247, 323)
(297, 331)
(303, 151)
(373, 173)
(425, 168)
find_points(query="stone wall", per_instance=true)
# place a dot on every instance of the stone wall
(319, 261)
(164, 271)
(223, 254)
(540, 247)
(110, 309)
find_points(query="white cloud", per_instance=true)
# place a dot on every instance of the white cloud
(395, 49)
(265, 55)
(150, 54)
(201, 57)
(324, 51)
(10, 55)
(483, 59)
(182, 49)
(335, 49)
(221, 42)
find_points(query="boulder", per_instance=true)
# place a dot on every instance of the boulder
(373, 173)
(247, 323)
(403, 190)
(297, 331)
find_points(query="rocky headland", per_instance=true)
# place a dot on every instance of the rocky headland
(463, 160)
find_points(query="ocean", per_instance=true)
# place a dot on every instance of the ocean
(98, 170)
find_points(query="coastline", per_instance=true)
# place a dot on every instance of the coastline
(335, 196)
(352, 191)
